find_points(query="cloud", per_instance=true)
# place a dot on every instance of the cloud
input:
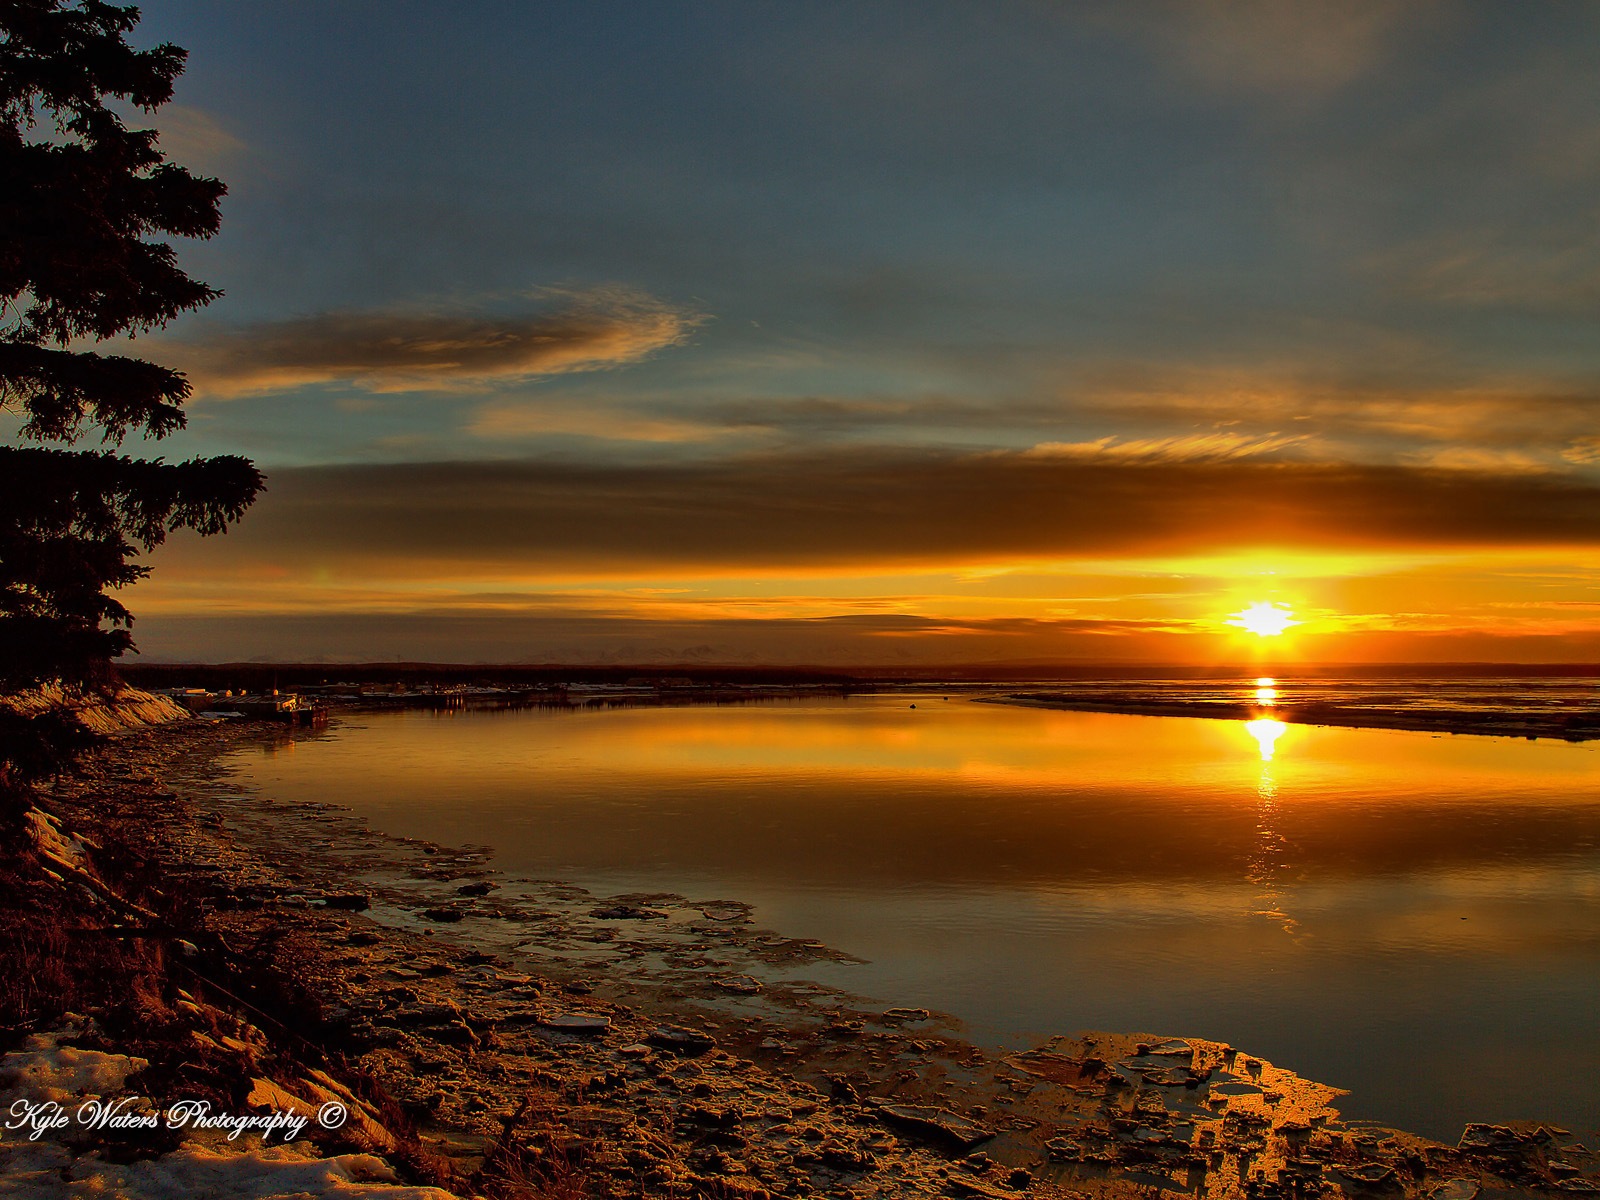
(1471, 458)
(1552, 266)
(197, 140)
(872, 511)
(1271, 45)
(1583, 450)
(414, 351)
(499, 422)
(1370, 417)
(1194, 447)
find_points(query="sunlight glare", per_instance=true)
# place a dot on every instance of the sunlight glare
(1266, 733)
(1264, 618)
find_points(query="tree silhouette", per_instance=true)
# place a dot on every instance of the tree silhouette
(80, 196)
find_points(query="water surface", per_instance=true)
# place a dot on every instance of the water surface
(1412, 916)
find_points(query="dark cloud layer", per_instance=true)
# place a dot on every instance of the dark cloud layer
(457, 635)
(864, 509)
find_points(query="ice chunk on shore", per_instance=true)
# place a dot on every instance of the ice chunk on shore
(45, 832)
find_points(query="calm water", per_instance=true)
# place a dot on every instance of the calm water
(1412, 916)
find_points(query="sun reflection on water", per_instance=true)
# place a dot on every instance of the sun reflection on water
(1268, 860)
(1266, 732)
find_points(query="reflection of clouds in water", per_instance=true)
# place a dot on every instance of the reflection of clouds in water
(1267, 858)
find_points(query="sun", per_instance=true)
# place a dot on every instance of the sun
(1264, 618)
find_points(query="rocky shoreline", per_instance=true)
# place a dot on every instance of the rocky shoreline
(519, 1037)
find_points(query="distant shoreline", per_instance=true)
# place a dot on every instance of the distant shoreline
(1581, 726)
(256, 676)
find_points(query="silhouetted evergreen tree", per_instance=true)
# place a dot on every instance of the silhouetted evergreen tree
(80, 196)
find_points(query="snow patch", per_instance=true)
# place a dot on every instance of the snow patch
(44, 1069)
(197, 1172)
(102, 712)
(50, 1169)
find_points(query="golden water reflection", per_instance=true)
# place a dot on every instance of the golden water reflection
(1266, 691)
(1267, 883)
(869, 789)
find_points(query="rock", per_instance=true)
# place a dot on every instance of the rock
(971, 1187)
(1455, 1189)
(681, 1040)
(349, 901)
(481, 888)
(729, 910)
(575, 1022)
(847, 1158)
(712, 1116)
(1171, 1077)
(1062, 1149)
(361, 1127)
(273, 1097)
(426, 1014)
(906, 1014)
(938, 1123)
(743, 985)
(1235, 1087)
(1371, 1174)
(1175, 1048)
(732, 1187)
(443, 915)
(1064, 1069)
(1497, 1139)
(627, 912)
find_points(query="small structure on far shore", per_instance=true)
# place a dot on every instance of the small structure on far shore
(288, 707)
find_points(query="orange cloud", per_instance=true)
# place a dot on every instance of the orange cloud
(1344, 415)
(397, 351)
(497, 422)
(1193, 447)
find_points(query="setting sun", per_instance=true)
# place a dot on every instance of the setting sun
(1264, 618)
